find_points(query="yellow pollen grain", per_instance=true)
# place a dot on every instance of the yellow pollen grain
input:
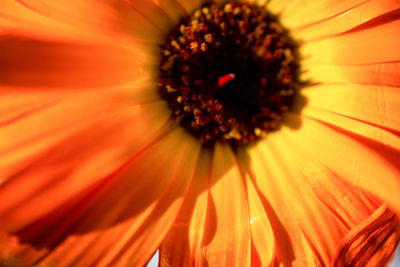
(182, 28)
(228, 8)
(208, 38)
(196, 112)
(170, 89)
(194, 46)
(260, 52)
(175, 44)
(234, 133)
(179, 99)
(195, 25)
(257, 131)
(288, 56)
(237, 11)
(223, 25)
(197, 14)
(168, 65)
(182, 40)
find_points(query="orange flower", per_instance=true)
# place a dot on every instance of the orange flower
(95, 173)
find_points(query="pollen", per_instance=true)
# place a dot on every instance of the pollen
(229, 73)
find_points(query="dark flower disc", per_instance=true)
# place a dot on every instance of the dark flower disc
(229, 73)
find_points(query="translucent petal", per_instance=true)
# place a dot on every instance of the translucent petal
(370, 74)
(363, 13)
(361, 45)
(66, 65)
(373, 104)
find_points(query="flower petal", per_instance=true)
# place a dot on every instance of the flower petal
(309, 208)
(32, 121)
(352, 161)
(370, 74)
(66, 65)
(227, 237)
(361, 45)
(302, 12)
(191, 5)
(372, 243)
(104, 18)
(20, 20)
(388, 140)
(366, 12)
(39, 171)
(263, 240)
(373, 104)
(141, 204)
(164, 13)
(14, 254)
(181, 247)
(219, 226)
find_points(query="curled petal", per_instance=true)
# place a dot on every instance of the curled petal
(372, 243)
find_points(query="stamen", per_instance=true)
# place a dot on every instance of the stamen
(229, 73)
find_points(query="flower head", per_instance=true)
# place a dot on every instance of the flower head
(97, 169)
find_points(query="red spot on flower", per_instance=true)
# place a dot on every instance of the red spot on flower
(225, 79)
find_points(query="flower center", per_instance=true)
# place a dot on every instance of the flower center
(229, 73)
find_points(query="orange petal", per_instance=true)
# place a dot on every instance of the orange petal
(105, 18)
(308, 207)
(14, 254)
(350, 159)
(365, 12)
(191, 5)
(219, 231)
(279, 7)
(39, 172)
(66, 65)
(33, 121)
(383, 137)
(378, 105)
(263, 240)
(18, 19)
(165, 13)
(121, 220)
(227, 237)
(181, 247)
(361, 45)
(299, 13)
(372, 243)
(372, 74)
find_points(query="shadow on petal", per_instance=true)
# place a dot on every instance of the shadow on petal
(372, 243)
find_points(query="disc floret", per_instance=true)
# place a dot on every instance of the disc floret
(229, 73)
